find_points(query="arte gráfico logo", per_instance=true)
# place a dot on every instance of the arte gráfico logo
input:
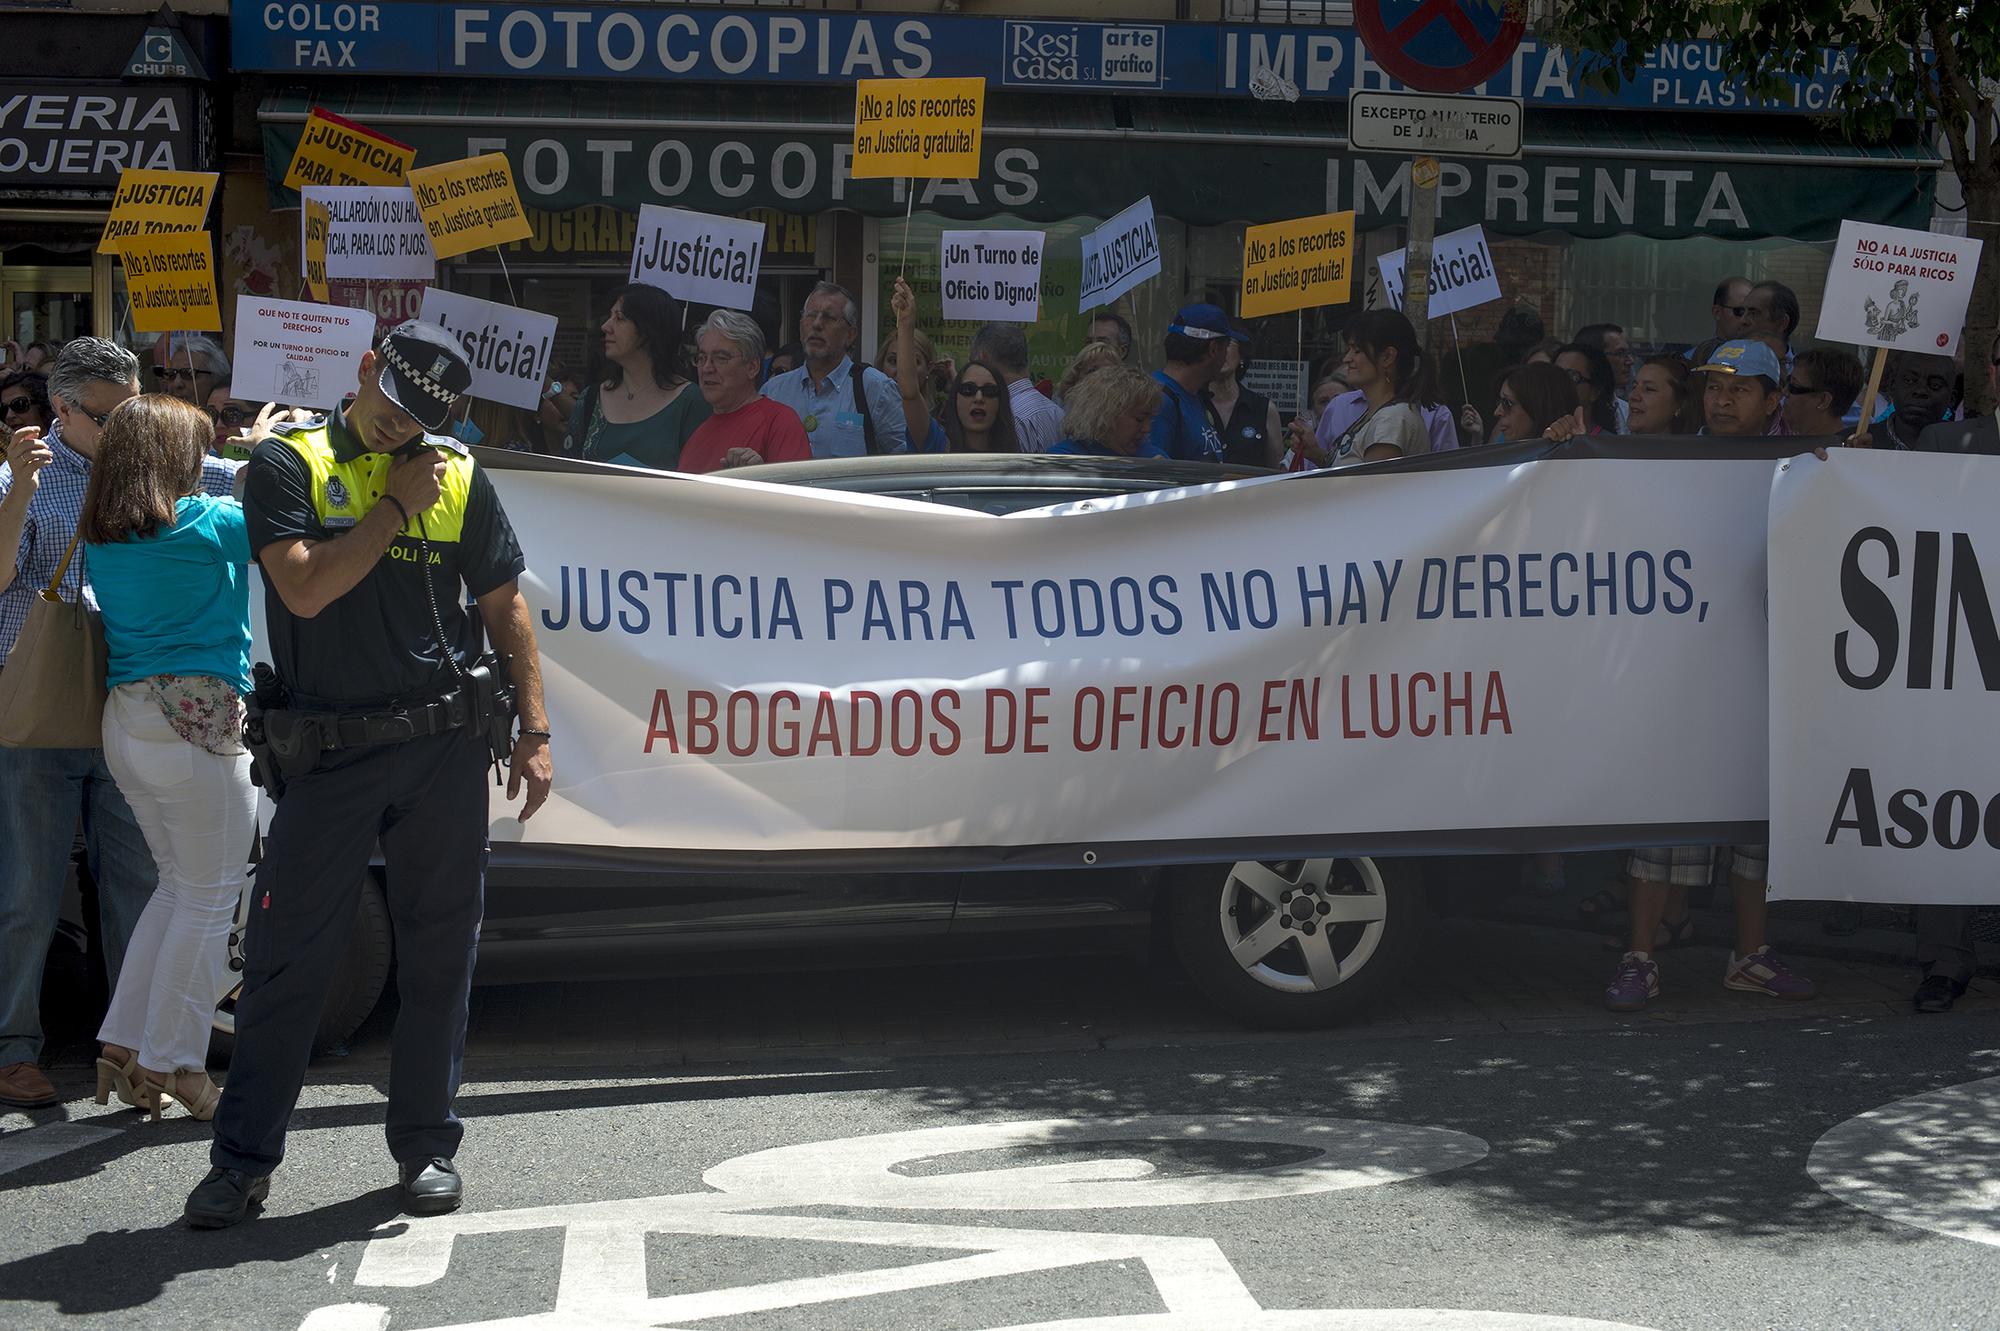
(1119, 54)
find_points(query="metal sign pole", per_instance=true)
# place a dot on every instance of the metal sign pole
(1417, 253)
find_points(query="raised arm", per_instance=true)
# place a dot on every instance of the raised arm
(909, 375)
(310, 575)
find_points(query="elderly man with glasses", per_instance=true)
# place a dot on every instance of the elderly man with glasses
(45, 792)
(847, 410)
(188, 366)
(743, 428)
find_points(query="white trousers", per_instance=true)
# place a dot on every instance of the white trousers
(198, 811)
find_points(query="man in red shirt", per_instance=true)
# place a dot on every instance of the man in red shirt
(743, 428)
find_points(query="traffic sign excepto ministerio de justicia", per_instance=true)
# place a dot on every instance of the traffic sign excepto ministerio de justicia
(1436, 47)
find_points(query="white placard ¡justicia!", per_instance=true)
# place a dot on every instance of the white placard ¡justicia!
(1885, 746)
(508, 348)
(1119, 255)
(698, 256)
(374, 231)
(1905, 290)
(297, 353)
(991, 275)
(1462, 272)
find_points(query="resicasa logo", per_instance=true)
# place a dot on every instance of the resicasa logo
(1121, 55)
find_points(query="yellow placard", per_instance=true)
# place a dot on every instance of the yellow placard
(335, 151)
(316, 222)
(470, 204)
(154, 203)
(171, 279)
(1297, 265)
(918, 127)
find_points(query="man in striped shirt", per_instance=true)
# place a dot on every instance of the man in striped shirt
(45, 792)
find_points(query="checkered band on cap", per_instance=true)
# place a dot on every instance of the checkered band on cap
(411, 375)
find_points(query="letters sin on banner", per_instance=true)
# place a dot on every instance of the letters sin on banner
(1120, 255)
(1905, 290)
(154, 203)
(991, 275)
(926, 128)
(303, 355)
(336, 151)
(171, 280)
(1885, 746)
(698, 256)
(314, 222)
(508, 348)
(1297, 265)
(1462, 272)
(374, 232)
(765, 668)
(470, 204)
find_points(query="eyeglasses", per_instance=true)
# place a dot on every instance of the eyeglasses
(178, 374)
(1505, 404)
(96, 418)
(1794, 387)
(228, 414)
(988, 391)
(23, 403)
(1740, 311)
(719, 359)
(1577, 376)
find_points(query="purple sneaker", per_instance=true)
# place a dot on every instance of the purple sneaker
(1764, 972)
(1637, 980)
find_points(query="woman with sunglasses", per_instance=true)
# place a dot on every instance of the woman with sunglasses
(170, 566)
(1596, 387)
(979, 418)
(24, 396)
(232, 417)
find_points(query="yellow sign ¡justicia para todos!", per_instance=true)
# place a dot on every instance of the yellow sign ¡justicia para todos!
(336, 151)
(153, 203)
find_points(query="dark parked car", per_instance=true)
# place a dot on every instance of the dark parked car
(1291, 943)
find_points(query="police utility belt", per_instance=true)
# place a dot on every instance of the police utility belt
(286, 742)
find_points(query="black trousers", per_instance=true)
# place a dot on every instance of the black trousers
(425, 800)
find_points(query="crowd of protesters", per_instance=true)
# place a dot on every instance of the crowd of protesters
(88, 456)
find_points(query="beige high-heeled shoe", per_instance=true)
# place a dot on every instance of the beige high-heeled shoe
(200, 1102)
(126, 1080)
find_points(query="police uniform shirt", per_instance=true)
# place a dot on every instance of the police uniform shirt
(376, 645)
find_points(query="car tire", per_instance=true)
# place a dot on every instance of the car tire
(1226, 925)
(357, 985)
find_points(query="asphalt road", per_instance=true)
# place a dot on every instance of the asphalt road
(1654, 1176)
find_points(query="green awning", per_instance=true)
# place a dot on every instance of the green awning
(1204, 163)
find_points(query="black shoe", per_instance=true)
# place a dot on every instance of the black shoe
(430, 1186)
(1937, 993)
(225, 1198)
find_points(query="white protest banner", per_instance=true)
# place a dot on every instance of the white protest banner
(698, 256)
(300, 354)
(1885, 766)
(1462, 272)
(1119, 255)
(745, 667)
(1905, 290)
(991, 276)
(508, 348)
(374, 231)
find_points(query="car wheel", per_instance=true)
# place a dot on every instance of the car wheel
(1294, 944)
(357, 982)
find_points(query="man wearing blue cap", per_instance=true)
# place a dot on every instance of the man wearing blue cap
(1184, 427)
(1741, 396)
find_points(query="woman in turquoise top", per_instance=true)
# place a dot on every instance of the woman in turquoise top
(169, 565)
(646, 405)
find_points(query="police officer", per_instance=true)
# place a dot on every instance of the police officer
(371, 528)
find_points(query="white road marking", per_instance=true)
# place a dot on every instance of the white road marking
(31, 1146)
(1931, 1161)
(1341, 1319)
(1351, 1153)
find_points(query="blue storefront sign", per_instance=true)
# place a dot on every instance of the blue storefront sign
(710, 45)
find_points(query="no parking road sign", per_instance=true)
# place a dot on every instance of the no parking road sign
(1441, 45)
